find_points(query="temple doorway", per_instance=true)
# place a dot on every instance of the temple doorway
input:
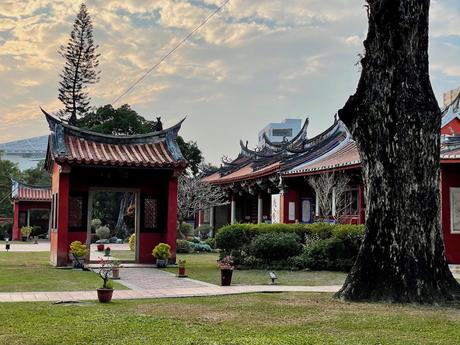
(112, 221)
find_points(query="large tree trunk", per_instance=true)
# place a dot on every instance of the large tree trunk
(395, 120)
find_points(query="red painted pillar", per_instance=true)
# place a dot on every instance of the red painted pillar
(16, 231)
(59, 234)
(290, 196)
(171, 222)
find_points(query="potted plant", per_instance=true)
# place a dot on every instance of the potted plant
(162, 252)
(182, 269)
(100, 247)
(25, 232)
(105, 269)
(107, 251)
(115, 269)
(77, 253)
(226, 266)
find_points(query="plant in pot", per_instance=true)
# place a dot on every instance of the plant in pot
(100, 247)
(226, 266)
(77, 253)
(107, 251)
(105, 269)
(115, 269)
(162, 252)
(181, 273)
(25, 232)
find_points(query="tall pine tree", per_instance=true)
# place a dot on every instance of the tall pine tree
(80, 68)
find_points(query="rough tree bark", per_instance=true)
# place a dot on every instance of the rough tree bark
(395, 120)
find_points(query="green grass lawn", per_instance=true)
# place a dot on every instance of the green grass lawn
(256, 319)
(204, 267)
(31, 271)
(127, 255)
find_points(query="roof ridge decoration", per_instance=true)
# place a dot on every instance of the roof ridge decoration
(73, 145)
(56, 124)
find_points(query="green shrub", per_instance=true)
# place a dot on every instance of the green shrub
(78, 248)
(272, 246)
(38, 231)
(233, 237)
(201, 247)
(103, 232)
(6, 230)
(334, 254)
(185, 229)
(211, 242)
(26, 231)
(132, 242)
(184, 246)
(162, 251)
(203, 231)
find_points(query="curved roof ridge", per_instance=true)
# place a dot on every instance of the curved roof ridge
(28, 185)
(109, 138)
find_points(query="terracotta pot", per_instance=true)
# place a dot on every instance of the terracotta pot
(226, 277)
(104, 295)
(181, 271)
(116, 272)
(100, 247)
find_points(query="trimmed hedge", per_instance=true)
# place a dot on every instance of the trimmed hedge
(318, 246)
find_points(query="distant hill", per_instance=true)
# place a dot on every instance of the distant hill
(25, 152)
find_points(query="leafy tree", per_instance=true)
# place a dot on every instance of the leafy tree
(396, 122)
(126, 121)
(80, 68)
(8, 171)
(37, 176)
(120, 121)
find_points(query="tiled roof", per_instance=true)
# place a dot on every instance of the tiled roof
(24, 192)
(68, 144)
(345, 155)
(246, 172)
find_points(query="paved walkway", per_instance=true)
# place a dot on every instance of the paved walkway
(42, 246)
(160, 293)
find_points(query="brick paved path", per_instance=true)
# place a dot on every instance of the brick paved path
(160, 293)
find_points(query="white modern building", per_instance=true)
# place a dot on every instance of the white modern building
(277, 132)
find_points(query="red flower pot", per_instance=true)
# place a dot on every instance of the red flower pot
(226, 277)
(181, 271)
(100, 247)
(104, 295)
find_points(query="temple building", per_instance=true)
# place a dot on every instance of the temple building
(271, 183)
(83, 162)
(31, 205)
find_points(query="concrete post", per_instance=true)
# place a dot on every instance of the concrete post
(259, 208)
(233, 211)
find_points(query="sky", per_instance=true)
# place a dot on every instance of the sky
(254, 63)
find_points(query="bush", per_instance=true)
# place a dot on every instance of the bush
(95, 223)
(162, 251)
(103, 232)
(6, 230)
(272, 246)
(183, 246)
(78, 248)
(185, 229)
(38, 231)
(201, 247)
(233, 237)
(132, 242)
(211, 242)
(203, 231)
(327, 246)
(26, 231)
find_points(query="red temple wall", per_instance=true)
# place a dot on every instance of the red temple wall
(450, 177)
(453, 127)
(20, 206)
(156, 183)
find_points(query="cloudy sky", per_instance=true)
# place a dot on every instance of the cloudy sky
(256, 62)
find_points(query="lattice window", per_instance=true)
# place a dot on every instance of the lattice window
(76, 212)
(150, 213)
